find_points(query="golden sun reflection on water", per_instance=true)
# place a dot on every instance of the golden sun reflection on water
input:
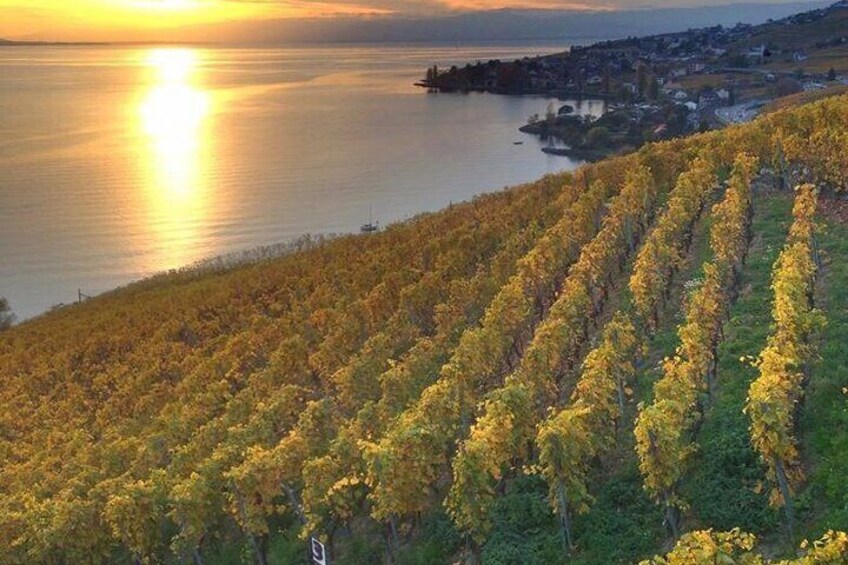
(174, 115)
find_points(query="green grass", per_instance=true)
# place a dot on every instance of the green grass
(623, 525)
(824, 421)
(726, 470)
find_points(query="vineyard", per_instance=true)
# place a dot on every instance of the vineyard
(641, 360)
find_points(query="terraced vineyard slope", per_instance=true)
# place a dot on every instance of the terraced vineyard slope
(571, 371)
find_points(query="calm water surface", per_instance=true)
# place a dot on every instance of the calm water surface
(117, 163)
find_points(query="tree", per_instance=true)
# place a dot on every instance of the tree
(641, 79)
(550, 114)
(653, 88)
(432, 75)
(597, 137)
(786, 86)
(7, 318)
(831, 74)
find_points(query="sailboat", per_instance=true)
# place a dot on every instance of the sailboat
(371, 226)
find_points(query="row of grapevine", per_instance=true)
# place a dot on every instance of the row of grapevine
(736, 546)
(663, 253)
(308, 470)
(344, 382)
(237, 380)
(663, 428)
(668, 158)
(219, 452)
(570, 439)
(321, 495)
(813, 143)
(774, 396)
(509, 414)
(206, 313)
(334, 476)
(404, 466)
(290, 463)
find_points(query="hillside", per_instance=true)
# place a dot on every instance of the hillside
(663, 86)
(806, 44)
(579, 370)
(544, 22)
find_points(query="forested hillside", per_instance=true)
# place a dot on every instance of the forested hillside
(643, 357)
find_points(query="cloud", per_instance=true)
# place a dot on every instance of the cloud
(142, 19)
(335, 7)
(419, 7)
(436, 7)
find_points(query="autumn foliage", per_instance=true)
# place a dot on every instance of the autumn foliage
(375, 379)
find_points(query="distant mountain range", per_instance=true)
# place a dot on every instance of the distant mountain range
(567, 26)
(10, 43)
(494, 25)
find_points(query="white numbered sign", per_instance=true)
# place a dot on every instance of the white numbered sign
(319, 555)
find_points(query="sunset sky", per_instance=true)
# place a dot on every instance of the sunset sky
(130, 19)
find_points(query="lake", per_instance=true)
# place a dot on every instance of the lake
(120, 162)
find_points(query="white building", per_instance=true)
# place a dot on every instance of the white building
(757, 52)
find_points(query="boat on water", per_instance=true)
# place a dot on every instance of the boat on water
(371, 226)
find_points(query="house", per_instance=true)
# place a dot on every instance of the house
(723, 94)
(695, 67)
(680, 95)
(707, 98)
(799, 56)
(595, 79)
(756, 52)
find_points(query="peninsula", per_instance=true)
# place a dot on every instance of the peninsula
(663, 86)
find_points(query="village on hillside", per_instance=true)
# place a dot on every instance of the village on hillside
(667, 85)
